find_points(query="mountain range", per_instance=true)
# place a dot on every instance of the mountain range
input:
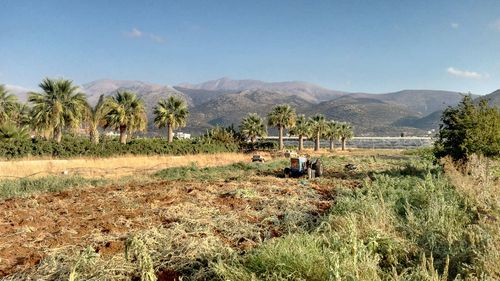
(226, 101)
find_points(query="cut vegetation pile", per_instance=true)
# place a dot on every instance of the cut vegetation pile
(397, 217)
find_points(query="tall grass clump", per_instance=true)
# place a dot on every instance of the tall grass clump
(26, 186)
(409, 223)
(234, 171)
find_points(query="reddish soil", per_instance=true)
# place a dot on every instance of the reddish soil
(103, 217)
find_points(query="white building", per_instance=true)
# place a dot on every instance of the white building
(181, 135)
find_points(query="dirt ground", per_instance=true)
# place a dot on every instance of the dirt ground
(31, 228)
(112, 167)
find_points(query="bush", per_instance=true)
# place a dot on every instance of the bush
(397, 226)
(259, 145)
(82, 147)
(469, 129)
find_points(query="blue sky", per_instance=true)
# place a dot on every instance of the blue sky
(359, 46)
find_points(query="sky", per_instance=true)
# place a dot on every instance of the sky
(352, 45)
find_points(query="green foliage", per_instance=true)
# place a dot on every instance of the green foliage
(83, 147)
(26, 186)
(319, 126)
(171, 113)
(8, 104)
(403, 224)
(253, 127)
(259, 145)
(58, 107)
(126, 113)
(282, 117)
(222, 135)
(96, 118)
(469, 129)
(228, 172)
(10, 132)
(301, 127)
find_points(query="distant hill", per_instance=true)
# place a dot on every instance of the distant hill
(149, 92)
(305, 90)
(20, 92)
(230, 108)
(493, 98)
(199, 96)
(367, 114)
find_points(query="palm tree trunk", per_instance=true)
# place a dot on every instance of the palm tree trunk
(170, 133)
(301, 142)
(316, 145)
(343, 143)
(123, 134)
(281, 137)
(94, 135)
(331, 144)
(58, 134)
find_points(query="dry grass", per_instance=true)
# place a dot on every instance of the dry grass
(113, 167)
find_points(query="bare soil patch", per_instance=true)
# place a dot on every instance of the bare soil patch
(103, 217)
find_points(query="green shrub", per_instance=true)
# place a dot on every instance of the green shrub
(468, 129)
(27, 186)
(82, 147)
(403, 224)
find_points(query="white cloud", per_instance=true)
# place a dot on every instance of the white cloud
(156, 38)
(134, 33)
(466, 74)
(454, 25)
(496, 25)
(137, 33)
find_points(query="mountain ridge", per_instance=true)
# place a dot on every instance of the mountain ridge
(225, 101)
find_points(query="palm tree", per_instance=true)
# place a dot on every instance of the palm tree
(332, 133)
(252, 126)
(345, 133)
(8, 104)
(126, 113)
(21, 115)
(96, 118)
(301, 129)
(283, 117)
(171, 113)
(9, 131)
(58, 107)
(319, 126)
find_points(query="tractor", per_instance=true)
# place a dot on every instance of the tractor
(300, 166)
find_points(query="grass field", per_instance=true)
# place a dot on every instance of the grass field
(397, 217)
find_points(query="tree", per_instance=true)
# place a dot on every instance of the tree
(96, 118)
(126, 113)
(171, 113)
(319, 126)
(21, 115)
(301, 129)
(333, 133)
(467, 129)
(222, 135)
(58, 107)
(283, 117)
(9, 131)
(252, 126)
(345, 133)
(8, 105)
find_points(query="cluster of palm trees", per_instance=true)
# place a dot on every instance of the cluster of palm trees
(61, 107)
(284, 117)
